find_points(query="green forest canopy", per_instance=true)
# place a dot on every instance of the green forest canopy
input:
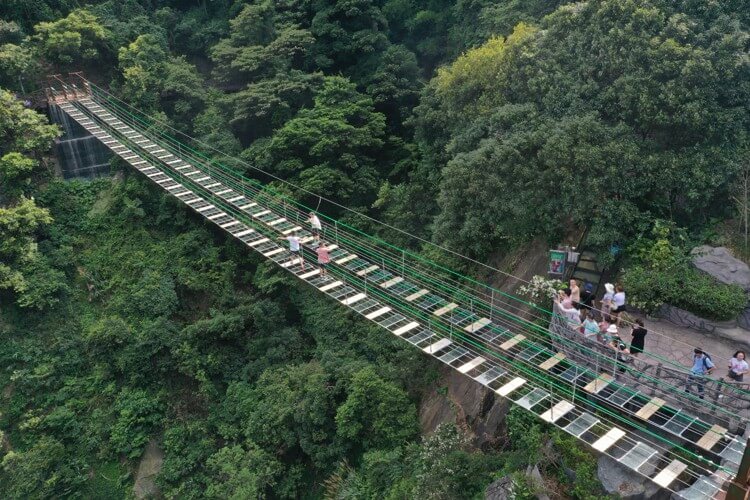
(479, 124)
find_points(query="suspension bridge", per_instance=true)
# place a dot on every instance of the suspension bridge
(636, 412)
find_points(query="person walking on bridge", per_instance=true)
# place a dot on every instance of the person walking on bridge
(323, 258)
(295, 249)
(315, 226)
(702, 367)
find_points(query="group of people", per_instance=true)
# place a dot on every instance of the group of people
(321, 249)
(600, 325)
(703, 366)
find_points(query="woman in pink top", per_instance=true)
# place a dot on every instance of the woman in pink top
(323, 258)
(738, 367)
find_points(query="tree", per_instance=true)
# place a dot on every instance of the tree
(376, 413)
(520, 129)
(155, 81)
(266, 57)
(23, 130)
(348, 35)
(394, 86)
(331, 148)
(76, 39)
(237, 472)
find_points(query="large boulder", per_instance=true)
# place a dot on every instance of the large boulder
(474, 408)
(149, 467)
(722, 265)
(618, 480)
(502, 489)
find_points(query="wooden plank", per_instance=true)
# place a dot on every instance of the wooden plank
(669, 473)
(406, 328)
(378, 313)
(391, 282)
(235, 199)
(249, 205)
(599, 383)
(217, 216)
(650, 408)
(230, 224)
(258, 242)
(331, 286)
(367, 271)
(710, 438)
(207, 207)
(549, 363)
(261, 213)
(309, 274)
(557, 411)
(273, 252)
(274, 222)
(477, 325)
(607, 440)
(440, 344)
(511, 386)
(353, 299)
(346, 259)
(445, 309)
(289, 231)
(512, 342)
(414, 296)
(471, 364)
(245, 232)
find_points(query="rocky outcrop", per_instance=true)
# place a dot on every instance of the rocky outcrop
(623, 482)
(149, 467)
(473, 407)
(722, 265)
(502, 489)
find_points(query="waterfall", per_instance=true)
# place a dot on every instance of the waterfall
(80, 154)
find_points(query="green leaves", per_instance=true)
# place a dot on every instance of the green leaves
(376, 413)
(614, 112)
(78, 38)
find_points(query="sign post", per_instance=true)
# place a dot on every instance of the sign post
(556, 264)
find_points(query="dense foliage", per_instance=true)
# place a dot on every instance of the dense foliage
(478, 124)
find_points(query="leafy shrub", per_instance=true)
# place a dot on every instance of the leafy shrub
(683, 287)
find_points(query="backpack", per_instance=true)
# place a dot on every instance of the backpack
(705, 365)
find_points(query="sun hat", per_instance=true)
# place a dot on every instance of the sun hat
(610, 287)
(589, 287)
(612, 329)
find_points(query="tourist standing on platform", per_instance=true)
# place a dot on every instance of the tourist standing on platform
(567, 309)
(618, 303)
(702, 367)
(295, 249)
(575, 293)
(738, 367)
(315, 226)
(639, 337)
(609, 295)
(587, 297)
(590, 326)
(323, 258)
(610, 334)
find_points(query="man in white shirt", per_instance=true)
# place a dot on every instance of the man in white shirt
(315, 225)
(295, 249)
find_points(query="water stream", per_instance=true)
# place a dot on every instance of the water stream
(80, 154)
